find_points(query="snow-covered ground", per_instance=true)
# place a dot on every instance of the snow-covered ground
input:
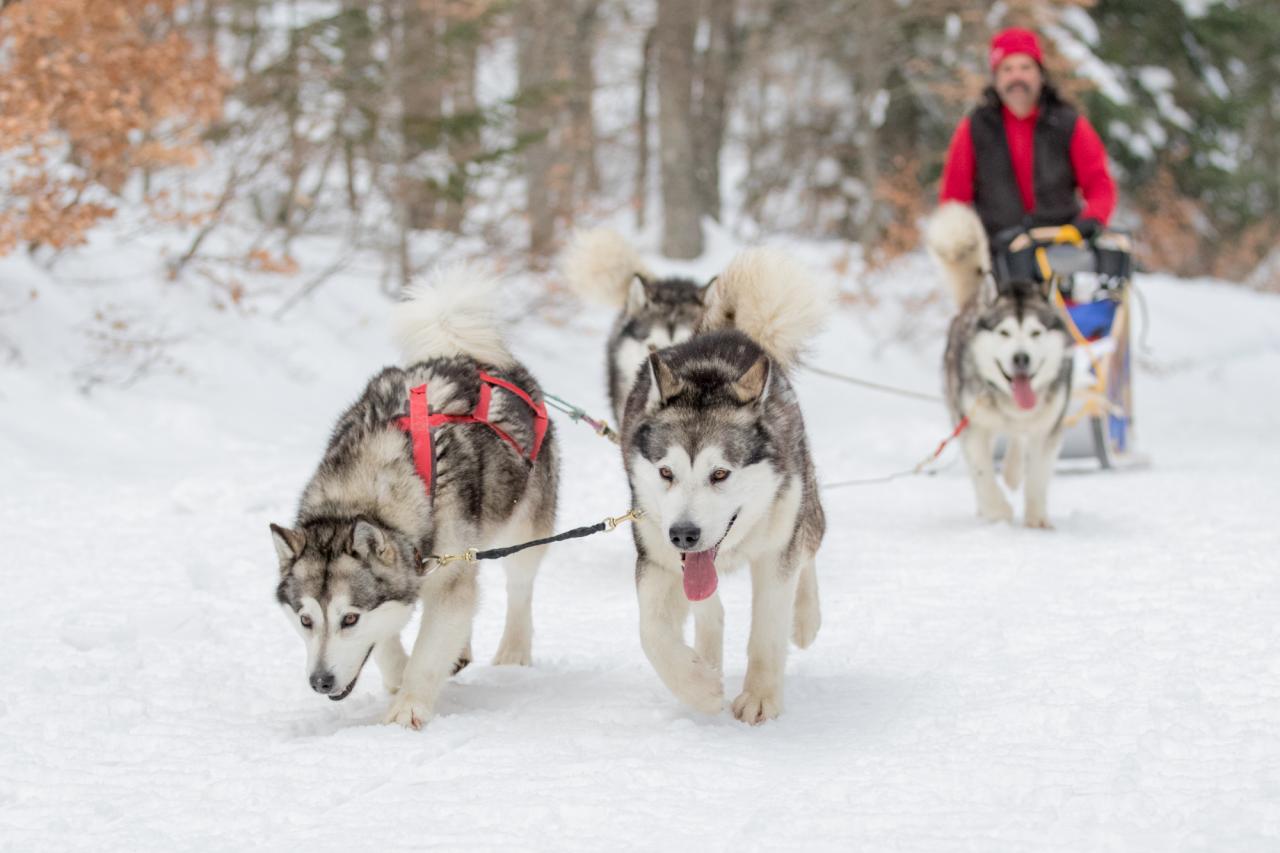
(1113, 684)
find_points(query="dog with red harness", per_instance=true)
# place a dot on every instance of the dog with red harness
(451, 451)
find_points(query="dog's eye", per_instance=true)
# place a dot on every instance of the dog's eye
(665, 473)
(1035, 334)
(1005, 333)
(350, 619)
(306, 621)
(719, 475)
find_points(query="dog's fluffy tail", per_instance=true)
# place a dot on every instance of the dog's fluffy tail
(957, 241)
(451, 314)
(772, 298)
(599, 265)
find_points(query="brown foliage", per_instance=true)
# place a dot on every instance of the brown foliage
(1244, 256)
(903, 204)
(1178, 237)
(91, 93)
(1173, 228)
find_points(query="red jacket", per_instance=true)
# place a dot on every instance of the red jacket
(1088, 161)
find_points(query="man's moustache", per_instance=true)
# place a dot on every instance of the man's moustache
(1023, 86)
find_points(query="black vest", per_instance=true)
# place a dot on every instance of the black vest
(996, 196)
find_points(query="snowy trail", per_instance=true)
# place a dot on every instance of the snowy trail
(1112, 684)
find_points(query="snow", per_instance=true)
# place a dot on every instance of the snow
(1217, 84)
(1111, 684)
(1159, 82)
(1078, 20)
(1088, 65)
(1197, 8)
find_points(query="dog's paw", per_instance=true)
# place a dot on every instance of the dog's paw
(997, 509)
(699, 686)
(408, 711)
(513, 654)
(1039, 522)
(460, 664)
(753, 708)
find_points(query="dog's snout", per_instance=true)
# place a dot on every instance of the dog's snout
(322, 681)
(684, 535)
(1021, 361)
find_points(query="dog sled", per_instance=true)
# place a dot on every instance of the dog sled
(1089, 282)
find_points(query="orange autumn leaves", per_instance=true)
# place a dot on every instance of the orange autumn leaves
(92, 93)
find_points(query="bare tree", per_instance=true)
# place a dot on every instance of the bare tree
(539, 101)
(717, 64)
(582, 89)
(640, 193)
(681, 207)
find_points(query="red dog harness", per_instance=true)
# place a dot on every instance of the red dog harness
(421, 421)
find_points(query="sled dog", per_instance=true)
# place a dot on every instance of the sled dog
(449, 451)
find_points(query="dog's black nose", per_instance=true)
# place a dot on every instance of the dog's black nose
(684, 536)
(322, 681)
(1021, 361)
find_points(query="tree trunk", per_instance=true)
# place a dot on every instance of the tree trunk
(538, 57)
(717, 70)
(421, 90)
(681, 225)
(359, 110)
(871, 71)
(641, 192)
(586, 173)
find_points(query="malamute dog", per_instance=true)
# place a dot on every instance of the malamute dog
(716, 455)
(1007, 367)
(391, 491)
(652, 312)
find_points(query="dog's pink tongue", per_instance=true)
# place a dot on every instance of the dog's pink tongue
(1022, 393)
(700, 574)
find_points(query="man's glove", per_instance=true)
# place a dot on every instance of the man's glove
(1087, 226)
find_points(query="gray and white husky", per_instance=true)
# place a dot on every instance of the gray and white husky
(1007, 366)
(351, 566)
(653, 312)
(716, 456)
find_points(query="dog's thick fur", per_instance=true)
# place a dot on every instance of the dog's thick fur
(1007, 366)
(653, 312)
(349, 566)
(716, 456)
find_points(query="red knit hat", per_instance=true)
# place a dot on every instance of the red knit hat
(1008, 42)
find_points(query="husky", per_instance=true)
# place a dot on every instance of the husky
(714, 447)
(1007, 367)
(653, 312)
(354, 563)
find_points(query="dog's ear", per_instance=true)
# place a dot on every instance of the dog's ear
(708, 290)
(289, 544)
(988, 292)
(637, 294)
(715, 312)
(663, 383)
(370, 541)
(753, 385)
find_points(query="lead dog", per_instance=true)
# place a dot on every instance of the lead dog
(716, 457)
